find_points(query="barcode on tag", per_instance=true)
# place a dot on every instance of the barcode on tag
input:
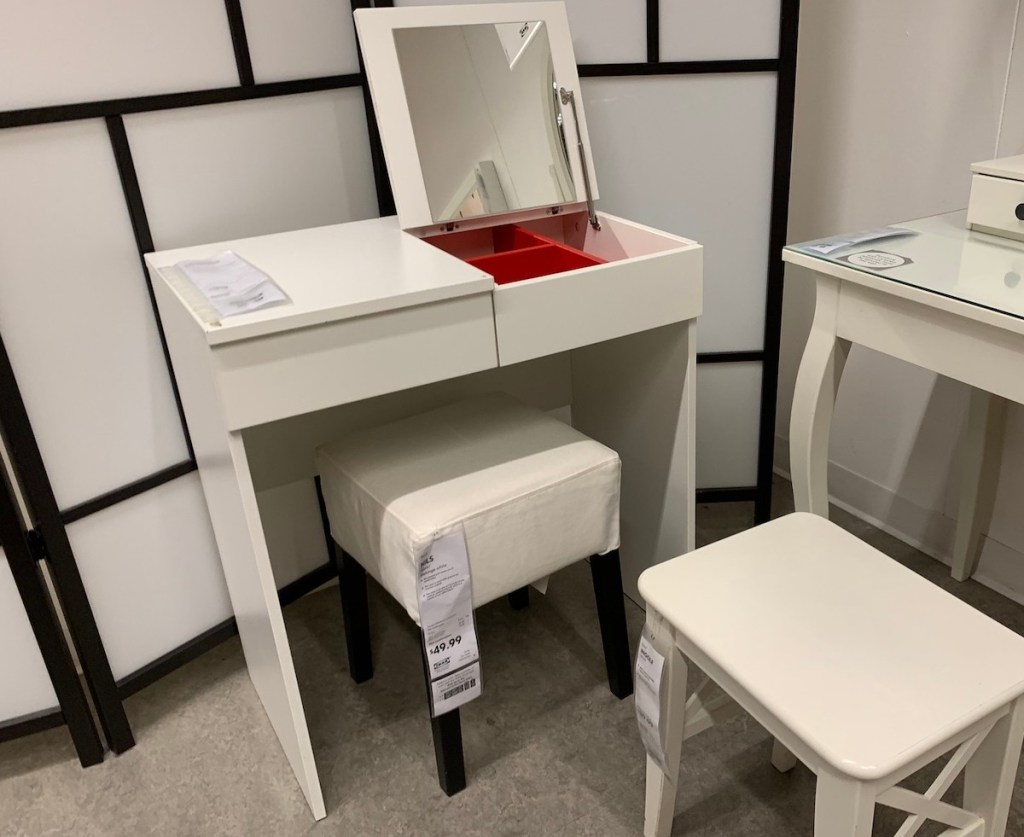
(453, 690)
(458, 690)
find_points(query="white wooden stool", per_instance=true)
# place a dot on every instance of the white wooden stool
(862, 669)
(532, 494)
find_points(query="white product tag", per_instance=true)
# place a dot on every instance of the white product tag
(650, 666)
(825, 246)
(231, 284)
(445, 590)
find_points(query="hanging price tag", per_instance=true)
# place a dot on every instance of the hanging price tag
(445, 590)
(650, 669)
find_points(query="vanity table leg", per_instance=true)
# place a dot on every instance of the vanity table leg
(979, 457)
(817, 383)
(244, 556)
(636, 395)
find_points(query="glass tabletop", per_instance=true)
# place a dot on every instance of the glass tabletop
(937, 254)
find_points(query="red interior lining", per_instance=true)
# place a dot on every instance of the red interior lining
(520, 254)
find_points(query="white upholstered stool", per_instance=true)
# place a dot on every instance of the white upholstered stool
(862, 669)
(532, 494)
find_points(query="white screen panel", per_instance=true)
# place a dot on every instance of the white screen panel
(62, 51)
(706, 30)
(693, 155)
(300, 38)
(75, 313)
(151, 571)
(728, 420)
(27, 688)
(251, 168)
(603, 31)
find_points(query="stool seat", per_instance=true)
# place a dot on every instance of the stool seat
(865, 661)
(533, 494)
(857, 666)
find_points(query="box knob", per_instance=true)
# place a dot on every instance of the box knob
(1019, 212)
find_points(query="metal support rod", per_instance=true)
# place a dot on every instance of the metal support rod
(569, 98)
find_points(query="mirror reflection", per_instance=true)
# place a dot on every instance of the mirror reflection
(485, 117)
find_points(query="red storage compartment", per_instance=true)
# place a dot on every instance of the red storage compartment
(511, 254)
(511, 237)
(531, 262)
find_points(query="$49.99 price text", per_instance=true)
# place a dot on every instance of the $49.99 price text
(446, 645)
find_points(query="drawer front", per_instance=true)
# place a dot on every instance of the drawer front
(268, 378)
(997, 206)
(543, 316)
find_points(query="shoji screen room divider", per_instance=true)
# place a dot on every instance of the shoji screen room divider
(128, 126)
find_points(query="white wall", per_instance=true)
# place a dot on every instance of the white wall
(894, 101)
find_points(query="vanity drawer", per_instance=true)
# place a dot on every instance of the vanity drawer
(298, 371)
(997, 206)
(662, 284)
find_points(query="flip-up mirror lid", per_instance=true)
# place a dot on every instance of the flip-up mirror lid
(430, 74)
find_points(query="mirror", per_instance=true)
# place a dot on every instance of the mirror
(485, 117)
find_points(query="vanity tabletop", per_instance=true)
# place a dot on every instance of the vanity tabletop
(938, 254)
(328, 273)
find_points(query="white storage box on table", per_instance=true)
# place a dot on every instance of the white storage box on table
(489, 159)
(533, 494)
(997, 197)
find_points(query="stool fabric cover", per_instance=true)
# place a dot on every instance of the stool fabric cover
(533, 494)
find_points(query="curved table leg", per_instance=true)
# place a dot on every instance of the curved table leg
(817, 383)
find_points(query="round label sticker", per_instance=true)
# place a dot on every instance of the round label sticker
(876, 259)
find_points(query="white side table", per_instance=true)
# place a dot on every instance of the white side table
(956, 307)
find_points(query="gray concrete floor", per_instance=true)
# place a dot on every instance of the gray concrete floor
(549, 751)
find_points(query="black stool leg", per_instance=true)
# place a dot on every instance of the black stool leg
(519, 599)
(447, 730)
(355, 608)
(451, 769)
(325, 522)
(356, 611)
(611, 613)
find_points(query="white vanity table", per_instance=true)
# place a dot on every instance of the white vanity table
(955, 306)
(472, 287)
